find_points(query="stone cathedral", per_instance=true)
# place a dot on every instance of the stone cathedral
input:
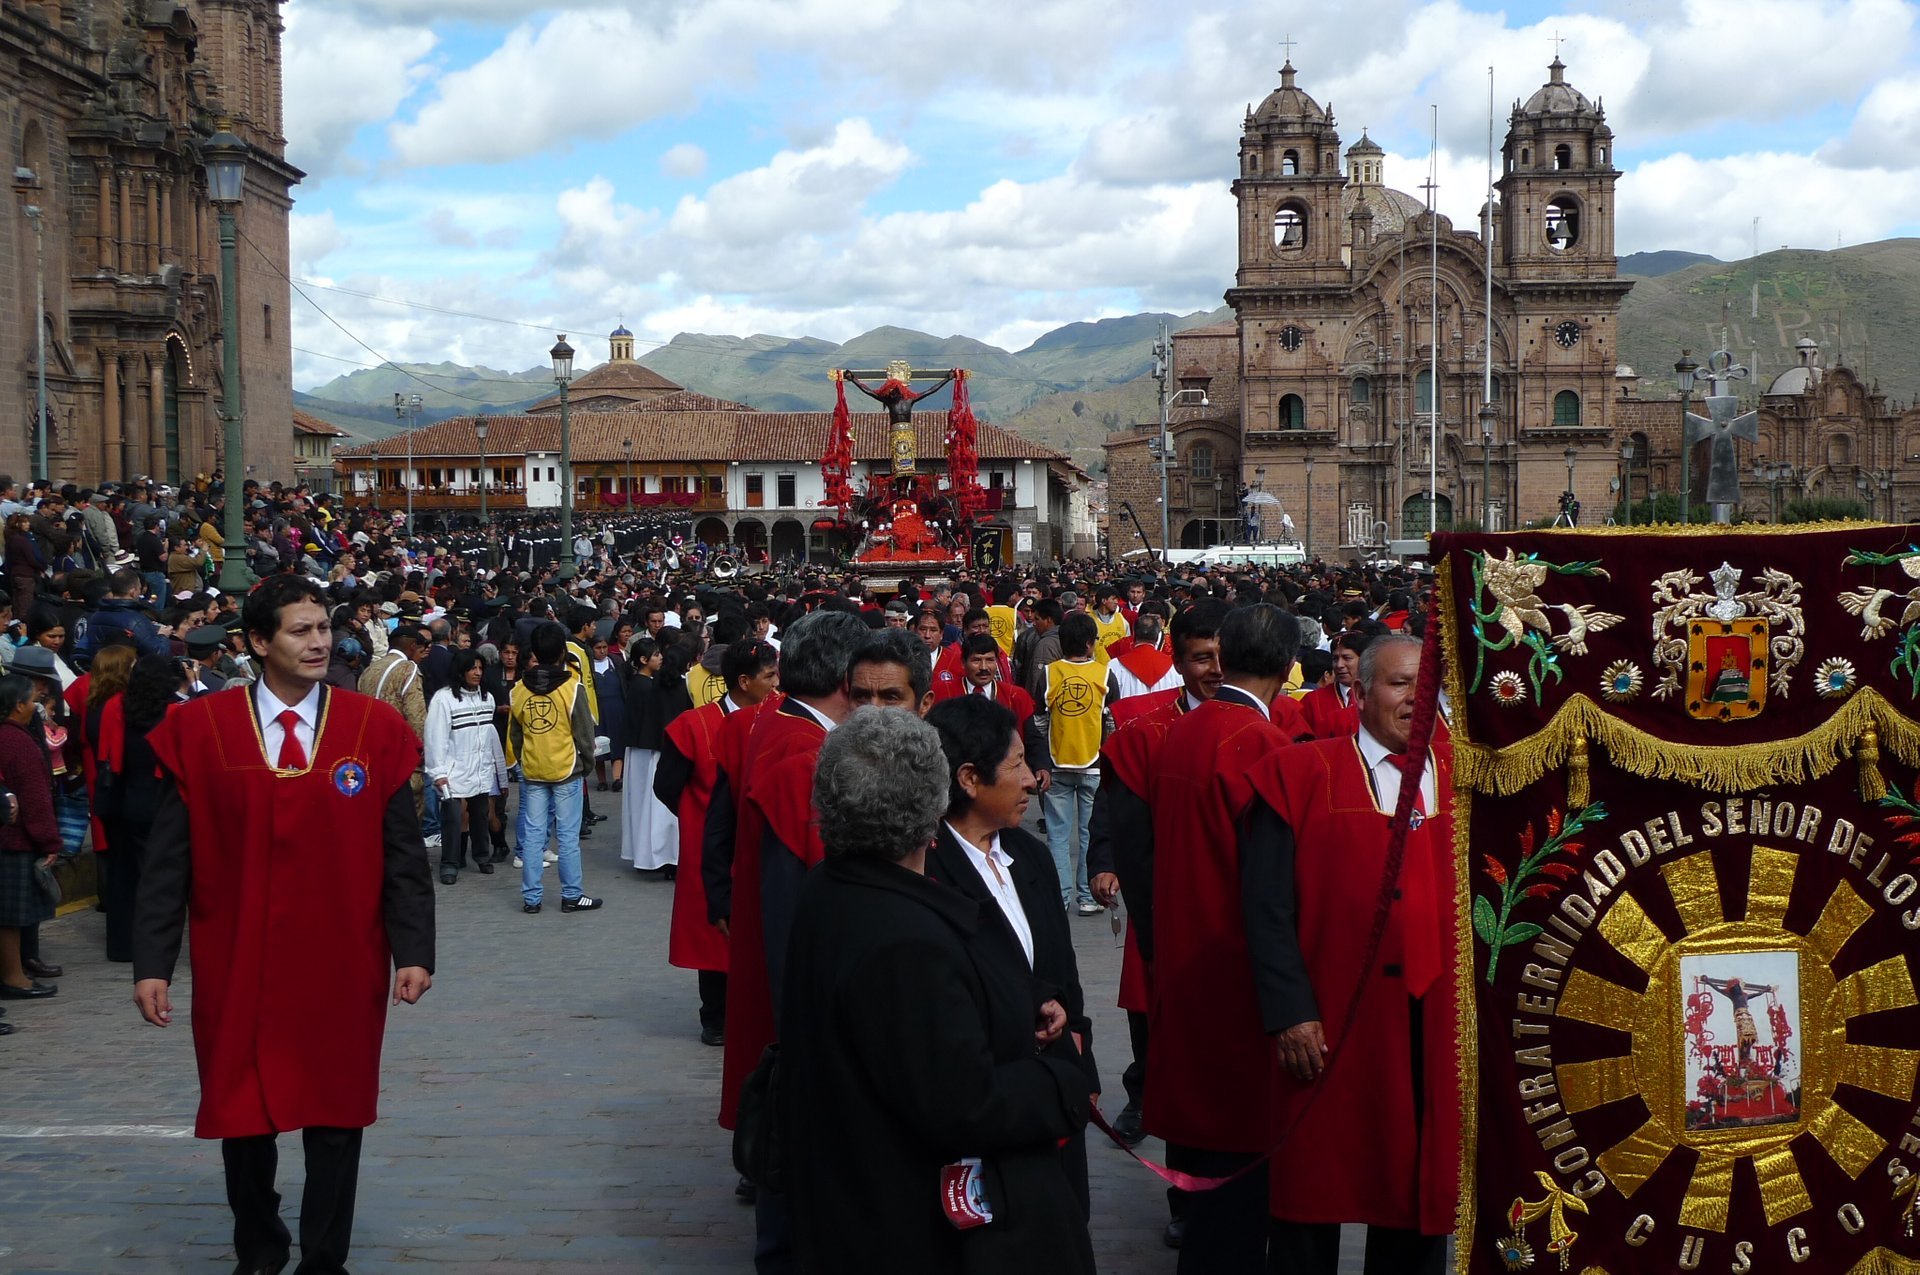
(1320, 392)
(104, 105)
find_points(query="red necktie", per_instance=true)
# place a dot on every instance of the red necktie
(292, 756)
(1420, 896)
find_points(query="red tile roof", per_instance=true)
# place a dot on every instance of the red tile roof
(699, 436)
(623, 379)
(307, 423)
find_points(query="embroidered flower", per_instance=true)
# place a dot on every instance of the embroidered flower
(1621, 681)
(1835, 678)
(1508, 690)
(1515, 1253)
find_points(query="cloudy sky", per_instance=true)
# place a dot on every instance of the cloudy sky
(483, 174)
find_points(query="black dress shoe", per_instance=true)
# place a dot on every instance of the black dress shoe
(33, 992)
(530, 908)
(40, 969)
(485, 867)
(448, 876)
(265, 1268)
(745, 1191)
(6, 1029)
(1176, 1232)
(713, 1036)
(1127, 1125)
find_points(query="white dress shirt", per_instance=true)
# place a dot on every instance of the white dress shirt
(1245, 699)
(826, 723)
(272, 733)
(995, 867)
(1386, 775)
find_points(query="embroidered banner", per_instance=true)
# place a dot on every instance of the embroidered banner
(1688, 831)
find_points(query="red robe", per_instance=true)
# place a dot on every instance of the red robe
(774, 787)
(693, 943)
(1210, 1066)
(1287, 715)
(1327, 717)
(1408, 1177)
(1136, 707)
(1128, 759)
(76, 697)
(950, 673)
(291, 967)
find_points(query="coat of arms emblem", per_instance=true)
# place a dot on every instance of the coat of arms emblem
(1723, 651)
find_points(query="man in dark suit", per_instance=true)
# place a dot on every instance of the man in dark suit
(982, 851)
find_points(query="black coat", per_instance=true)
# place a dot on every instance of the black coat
(906, 1046)
(1055, 972)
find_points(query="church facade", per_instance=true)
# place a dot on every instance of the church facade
(104, 107)
(1348, 395)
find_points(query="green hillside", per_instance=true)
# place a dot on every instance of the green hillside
(447, 388)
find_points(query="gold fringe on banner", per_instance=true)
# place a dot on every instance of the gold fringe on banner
(1862, 728)
(1579, 790)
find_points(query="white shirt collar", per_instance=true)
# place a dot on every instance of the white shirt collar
(993, 850)
(1372, 751)
(727, 705)
(826, 723)
(1193, 701)
(1244, 698)
(269, 707)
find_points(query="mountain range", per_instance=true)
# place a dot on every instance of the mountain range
(1861, 304)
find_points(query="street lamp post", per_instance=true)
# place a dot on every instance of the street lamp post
(486, 532)
(406, 407)
(226, 161)
(39, 340)
(626, 448)
(1626, 480)
(1683, 374)
(1308, 546)
(1573, 517)
(562, 355)
(1489, 416)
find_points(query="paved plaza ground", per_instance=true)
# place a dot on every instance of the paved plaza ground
(547, 1108)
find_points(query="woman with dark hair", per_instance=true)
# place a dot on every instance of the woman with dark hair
(128, 786)
(24, 563)
(982, 851)
(649, 832)
(30, 842)
(910, 1050)
(465, 761)
(609, 673)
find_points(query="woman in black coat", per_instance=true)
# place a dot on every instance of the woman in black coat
(983, 852)
(907, 1047)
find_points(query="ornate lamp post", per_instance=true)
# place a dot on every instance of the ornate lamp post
(1626, 480)
(1683, 375)
(480, 433)
(1308, 546)
(626, 448)
(562, 355)
(1572, 518)
(226, 161)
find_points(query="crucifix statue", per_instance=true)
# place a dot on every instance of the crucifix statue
(1721, 426)
(897, 396)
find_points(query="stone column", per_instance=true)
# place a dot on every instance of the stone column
(168, 238)
(110, 428)
(124, 179)
(130, 452)
(105, 220)
(157, 415)
(154, 236)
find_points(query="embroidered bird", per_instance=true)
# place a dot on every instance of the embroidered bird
(1870, 603)
(1581, 620)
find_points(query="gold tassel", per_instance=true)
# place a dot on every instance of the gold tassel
(1579, 788)
(1872, 785)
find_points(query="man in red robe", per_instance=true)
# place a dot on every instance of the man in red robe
(287, 828)
(1333, 712)
(683, 782)
(775, 841)
(1210, 1067)
(1141, 664)
(1315, 851)
(1120, 842)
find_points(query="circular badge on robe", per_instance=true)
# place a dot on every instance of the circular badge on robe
(350, 778)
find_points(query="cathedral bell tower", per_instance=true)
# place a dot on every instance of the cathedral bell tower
(1289, 191)
(1556, 188)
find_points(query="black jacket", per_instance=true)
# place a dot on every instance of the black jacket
(906, 1046)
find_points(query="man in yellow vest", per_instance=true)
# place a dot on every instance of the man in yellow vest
(1109, 624)
(1075, 727)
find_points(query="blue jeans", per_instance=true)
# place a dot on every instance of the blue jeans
(430, 810)
(1068, 805)
(157, 581)
(549, 809)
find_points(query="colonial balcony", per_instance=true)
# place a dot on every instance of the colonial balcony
(506, 497)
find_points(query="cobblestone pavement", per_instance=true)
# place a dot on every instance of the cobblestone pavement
(546, 1108)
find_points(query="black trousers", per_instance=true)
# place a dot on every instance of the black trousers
(1313, 1248)
(119, 884)
(1227, 1226)
(260, 1238)
(463, 829)
(713, 1000)
(1134, 1081)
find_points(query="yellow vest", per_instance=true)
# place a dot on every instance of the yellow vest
(584, 675)
(1004, 628)
(1076, 697)
(705, 688)
(1110, 631)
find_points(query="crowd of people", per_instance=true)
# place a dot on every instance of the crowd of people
(1214, 753)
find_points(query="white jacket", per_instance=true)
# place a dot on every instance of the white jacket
(462, 746)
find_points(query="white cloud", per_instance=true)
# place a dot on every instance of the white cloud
(684, 160)
(1885, 132)
(341, 75)
(312, 237)
(1708, 205)
(814, 191)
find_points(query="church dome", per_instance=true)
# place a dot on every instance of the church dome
(1365, 146)
(1393, 210)
(1798, 380)
(1557, 97)
(620, 331)
(1289, 104)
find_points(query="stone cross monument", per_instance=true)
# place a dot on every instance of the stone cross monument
(1721, 426)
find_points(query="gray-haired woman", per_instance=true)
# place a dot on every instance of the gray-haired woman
(910, 1060)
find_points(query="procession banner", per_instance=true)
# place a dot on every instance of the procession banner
(1688, 835)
